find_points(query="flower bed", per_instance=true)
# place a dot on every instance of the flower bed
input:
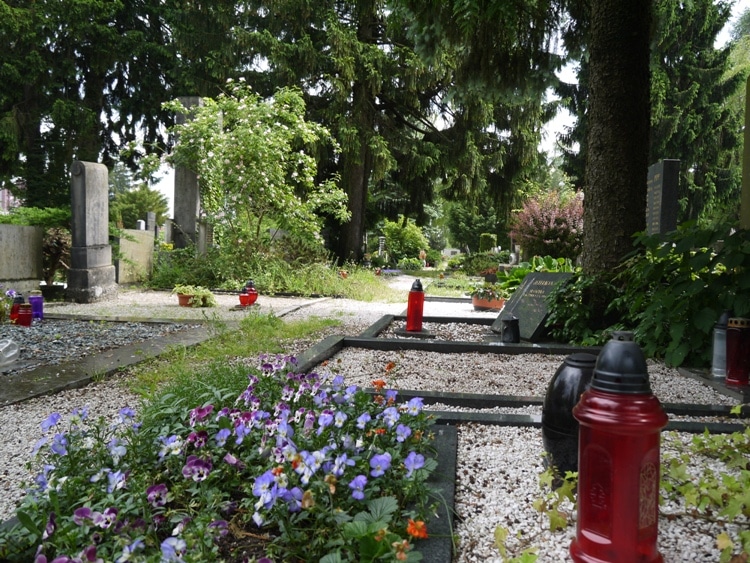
(298, 467)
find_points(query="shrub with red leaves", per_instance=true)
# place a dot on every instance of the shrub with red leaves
(550, 225)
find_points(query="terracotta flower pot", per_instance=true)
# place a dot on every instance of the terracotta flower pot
(487, 304)
(184, 299)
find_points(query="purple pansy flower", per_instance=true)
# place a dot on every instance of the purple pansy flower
(357, 485)
(157, 495)
(402, 433)
(379, 463)
(199, 414)
(413, 462)
(196, 468)
(50, 421)
(172, 549)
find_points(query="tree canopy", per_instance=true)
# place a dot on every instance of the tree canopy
(425, 99)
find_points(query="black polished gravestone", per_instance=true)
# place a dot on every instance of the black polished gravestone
(661, 203)
(528, 304)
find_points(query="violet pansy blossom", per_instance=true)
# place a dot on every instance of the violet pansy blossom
(379, 464)
(413, 462)
(357, 485)
(157, 495)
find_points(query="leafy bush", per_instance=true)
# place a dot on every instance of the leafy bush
(675, 291)
(256, 159)
(466, 223)
(129, 206)
(551, 224)
(487, 241)
(403, 240)
(434, 258)
(410, 264)
(321, 481)
(669, 292)
(572, 318)
(456, 262)
(476, 263)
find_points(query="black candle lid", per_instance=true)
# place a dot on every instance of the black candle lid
(417, 285)
(621, 367)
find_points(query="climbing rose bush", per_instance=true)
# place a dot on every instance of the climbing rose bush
(550, 225)
(306, 465)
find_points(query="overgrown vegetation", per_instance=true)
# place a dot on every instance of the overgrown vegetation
(187, 371)
(669, 292)
(190, 476)
(228, 269)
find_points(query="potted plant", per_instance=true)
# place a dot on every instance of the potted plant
(194, 296)
(488, 297)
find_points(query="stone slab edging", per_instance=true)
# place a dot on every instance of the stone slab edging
(74, 374)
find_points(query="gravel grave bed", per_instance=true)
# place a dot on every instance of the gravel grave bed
(55, 341)
(497, 467)
(442, 331)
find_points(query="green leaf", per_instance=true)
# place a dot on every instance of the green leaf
(705, 319)
(557, 520)
(334, 557)
(677, 355)
(382, 508)
(29, 524)
(356, 529)
(501, 536)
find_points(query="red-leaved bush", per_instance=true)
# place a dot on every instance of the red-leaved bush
(550, 225)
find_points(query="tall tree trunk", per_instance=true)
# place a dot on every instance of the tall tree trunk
(357, 165)
(615, 193)
(357, 159)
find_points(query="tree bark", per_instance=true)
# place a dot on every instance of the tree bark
(617, 163)
(357, 160)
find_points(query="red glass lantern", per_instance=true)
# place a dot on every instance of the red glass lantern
(250, 294)
(618, 459)
(415, 308)
(15, 307)
(25, 315)
(738, 351)
(244, 297)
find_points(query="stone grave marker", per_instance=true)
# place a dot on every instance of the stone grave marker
(91, 276)
(528, 304)
(661, 203)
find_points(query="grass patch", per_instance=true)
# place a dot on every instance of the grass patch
(188, 372)
(453, 286)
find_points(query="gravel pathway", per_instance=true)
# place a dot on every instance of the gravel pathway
(498, 467)
(53, 341)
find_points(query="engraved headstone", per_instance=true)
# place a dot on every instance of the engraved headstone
(661, 202)
(91, 277)
(186, 192)
(528, 304)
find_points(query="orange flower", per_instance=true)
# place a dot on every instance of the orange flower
(278, 470)
(389, 366)
(379, 399)
(378, 384)
(380, 431)
(416, 529)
